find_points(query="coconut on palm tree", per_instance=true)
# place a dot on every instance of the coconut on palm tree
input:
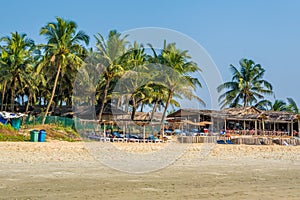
(63, 48)
(247, 86)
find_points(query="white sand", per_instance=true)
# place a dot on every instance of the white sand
(63, 170)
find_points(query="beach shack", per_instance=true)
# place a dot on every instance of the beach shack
(243, 121)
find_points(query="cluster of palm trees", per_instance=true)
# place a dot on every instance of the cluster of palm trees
(131, 77)
(44, 74)
(248, 88)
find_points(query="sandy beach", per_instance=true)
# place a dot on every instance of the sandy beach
(63, 170)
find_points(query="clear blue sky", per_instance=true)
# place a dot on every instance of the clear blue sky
(266, 31)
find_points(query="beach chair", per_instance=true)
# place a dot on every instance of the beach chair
(229, 142)
(262, 142)
(221, 142)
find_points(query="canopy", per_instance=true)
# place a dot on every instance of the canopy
(196, 123)
(8, 115)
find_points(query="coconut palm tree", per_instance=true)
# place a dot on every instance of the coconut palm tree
(16, 57)
(111, 52)
(63, 48)
(176, 75)
(4, 78)
(292, 106)
(279, 105)
(137, 77)
(246, 87)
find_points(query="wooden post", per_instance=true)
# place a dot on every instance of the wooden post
(244, 125)
(255, 126)
(144, 133)
(292, 128)
(298, 127)
(263, 126)
(225, 128)
(104, 132)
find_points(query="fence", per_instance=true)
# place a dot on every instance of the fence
(79, 125)
(198, 139)
(240, 140)
(61, 121)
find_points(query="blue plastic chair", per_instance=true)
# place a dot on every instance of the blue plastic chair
(229, 142)
(221, 142)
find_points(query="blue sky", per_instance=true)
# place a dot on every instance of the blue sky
(267, 32)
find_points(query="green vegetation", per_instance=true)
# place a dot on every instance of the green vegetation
(45, 74)
(63, 134)
(8, 133)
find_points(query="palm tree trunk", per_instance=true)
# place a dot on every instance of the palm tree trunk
(22, 97)
(53, 93)
(153, 110)
(142, 106)
(28, 101)
(245, 101)
(164, 113)
(126, 103)
(3, 94)
(104, 99)
(12, 101)
(133, 108)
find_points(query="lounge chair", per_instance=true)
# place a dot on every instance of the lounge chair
(229, 142)
(221, 142)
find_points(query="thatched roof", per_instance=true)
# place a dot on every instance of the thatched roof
(191, 112)
(249, 113)
(276, 116)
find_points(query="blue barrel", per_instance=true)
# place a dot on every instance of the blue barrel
(42, 136)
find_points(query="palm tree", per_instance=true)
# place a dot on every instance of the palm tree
(16, 57)
(292, 106)
(4, 78)
(278, 105)
(111, 52)
(247, 85)
(176, 73)
(137, 76)
(63, 48)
